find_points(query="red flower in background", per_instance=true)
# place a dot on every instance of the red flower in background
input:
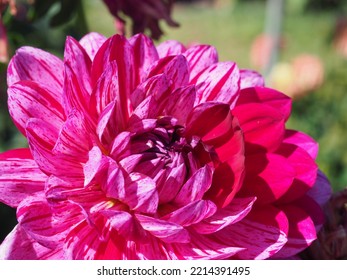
(145, 14)
(144, 152)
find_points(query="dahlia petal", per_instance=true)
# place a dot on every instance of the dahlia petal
(164, 230)
(228, 175)
(231, 214)
(273, 98)
(313, 209)
(160, 65)
(207, 117)
(250, 78)
(106, 89)
(41, 137)
(220, 82)
(114, 185)
(145, 54)
(122, 221)
(120, 145)
(263, 126)
(18, 245)
(91, 43)
(181, 103)
(152, 249)
(199, 58)
(192, 213)
(38, 66)
(20, 153)
(83, 243)
(75, 94)
(226, 182)
(150, 98)
(169, 48)
(269, 177)
(305, 168)
(108, 127)
(267, 225)
(117, 48)
(20, 177)
(301, 231)
(58, 190)
(73, 138)
(303, 141)
(36, 217)
(202, 247)
(177, 72)
(77, 80)
(141, 194)
(92, 166)
(130, 162)
(173, 183)
(103, 170)
(195, 187)
(155, 87)
(321, 190)
(77, 58)
(142, 126)
(27, 99)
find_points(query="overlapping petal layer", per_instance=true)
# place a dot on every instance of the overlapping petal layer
(145, 152)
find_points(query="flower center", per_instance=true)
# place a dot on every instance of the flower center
(166, 147)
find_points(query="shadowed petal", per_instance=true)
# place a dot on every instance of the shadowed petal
(303, 141)
(321, 190)
(301, 231)
(208, 120)
(269, 177)
(262, 125)
(305, 168)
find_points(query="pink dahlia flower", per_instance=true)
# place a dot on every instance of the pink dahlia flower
(144, 152)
